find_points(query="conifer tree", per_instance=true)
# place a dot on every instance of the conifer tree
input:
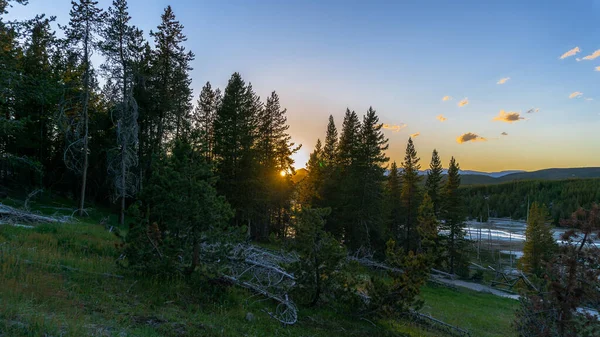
(428, 228)
(393, 192)
(411, 196)
(540, 245)
(170, 63)
(120, 45)
(81, 34)
(235, 129)
(204, 117)
(331, 142)
(310, 189)
(453, 214)
(434, 180)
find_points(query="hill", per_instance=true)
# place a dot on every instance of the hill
(546, 174)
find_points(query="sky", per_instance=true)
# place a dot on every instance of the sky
(459, 76)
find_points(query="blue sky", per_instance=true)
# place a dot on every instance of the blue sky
(402, 58)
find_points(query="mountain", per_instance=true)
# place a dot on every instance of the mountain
(479, 173)
(546, 174)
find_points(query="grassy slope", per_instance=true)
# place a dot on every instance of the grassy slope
(38, 296)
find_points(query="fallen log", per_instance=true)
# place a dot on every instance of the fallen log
(17, 215)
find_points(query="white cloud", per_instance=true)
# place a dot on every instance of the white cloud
(416, 134)
(589, 99)
(446, 98)
(503, 80)
(570, 53)
(576, 94)
(597, 68)
(463, 102)
(441, 118)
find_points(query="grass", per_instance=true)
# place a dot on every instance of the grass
(39, 296)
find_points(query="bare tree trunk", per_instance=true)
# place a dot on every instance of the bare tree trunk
(123, 184)
(86, 98)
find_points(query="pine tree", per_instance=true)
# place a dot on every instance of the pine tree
(235, 129)
(331, 142)
(121, 43)
(540, 245)
(367, 226)
(393, 192)
(434, 180)
(428, 228)
(84, 25)
(344, 198)
(274, 150)
(171, 66)
(453, 214)
(204, 117)
(411, 196)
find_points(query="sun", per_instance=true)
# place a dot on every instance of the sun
(282, 173)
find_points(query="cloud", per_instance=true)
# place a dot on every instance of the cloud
(441, 118)
(508, 117)
(504, 134)
(597, 68)
(503, 80)
(570, 53)
(469, 137)
(416, 134)
(532, 110)
(446, 98)
(593, 55)
(463, 102)
(394, 127)
(589, 99)
(576, 94)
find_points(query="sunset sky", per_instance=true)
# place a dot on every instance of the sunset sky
(461, 75)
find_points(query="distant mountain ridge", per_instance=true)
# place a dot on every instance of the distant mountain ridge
(479, 173)
(545, 174)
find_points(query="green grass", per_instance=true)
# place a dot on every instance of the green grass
(38, 296)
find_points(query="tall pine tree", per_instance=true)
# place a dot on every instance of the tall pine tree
(411, 196)
(81, 34)
(434, 180)
(393, 192)
(453, 214)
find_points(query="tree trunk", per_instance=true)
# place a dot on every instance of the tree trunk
(86, 98)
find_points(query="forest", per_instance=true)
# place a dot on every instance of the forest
(203, 186)
(511, 199)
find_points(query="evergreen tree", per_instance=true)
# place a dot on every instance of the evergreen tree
(367, 226)
(274, 150)
(312, 186)
(121, 43)
(453, 214)
(410, 196)
(204, 117)
(349, 141)
(540, 245)
(434, 180)
(84, 25)
(170, 63)
(331, 142)
(428, 228)
(393, 192)
(235, 131)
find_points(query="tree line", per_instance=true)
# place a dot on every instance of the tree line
(511, 199)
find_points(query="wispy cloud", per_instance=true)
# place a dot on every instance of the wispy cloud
(504, 134)
(441, 118)
(597, 68)
(394, 127)
(508, 117)
(589, 99)
(570, 53)
(532, 110)
(446, 98)
(576, 94)
(592, 56)
(463, 102)
(469, 137)
(503, 80)
(416, 134)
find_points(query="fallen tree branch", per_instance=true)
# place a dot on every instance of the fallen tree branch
(17, 215)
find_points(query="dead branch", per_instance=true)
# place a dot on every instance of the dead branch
(16, 215)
